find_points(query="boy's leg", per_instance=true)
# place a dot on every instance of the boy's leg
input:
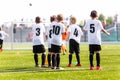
(78, 58)
(36, 59)
(53, 60)
(98, 58)
(70, 58)
(58, 59)
(43, 59)
(91, 59)
(49, 59)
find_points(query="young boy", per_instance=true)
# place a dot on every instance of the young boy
(58, 30)
(74, 33)
(38, 41)
(49, 37)
(94, 28)
(2, 36)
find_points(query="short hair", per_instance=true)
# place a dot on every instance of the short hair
(59, 17)
(37, 19)
(73, 19)
(52, 18)
(93, 14)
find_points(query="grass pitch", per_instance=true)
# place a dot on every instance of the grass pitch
(19, 65)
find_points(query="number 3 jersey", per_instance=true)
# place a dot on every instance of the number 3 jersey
(75, 32)
(58, 29)
(38, 34)
(94, 27)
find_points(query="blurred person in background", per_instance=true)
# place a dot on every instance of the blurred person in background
(3, 34)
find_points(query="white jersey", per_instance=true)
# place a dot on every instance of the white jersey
(38, 34)
(94, 27)
(2, 35)
(58, 29)
(49, 33)
(75, 32)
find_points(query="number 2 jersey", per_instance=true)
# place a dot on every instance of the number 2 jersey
(75, 32)
(38, 34)
(94, 27)
(58, 29)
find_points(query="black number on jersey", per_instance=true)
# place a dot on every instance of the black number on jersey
(50, 33)
(76, 32)
(92, 28)
(56, 30)
(38, 31)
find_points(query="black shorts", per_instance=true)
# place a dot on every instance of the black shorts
(49, 49)
(56, 48)
(73, 46)
(38, 49)
(94, 47)
(1, 43)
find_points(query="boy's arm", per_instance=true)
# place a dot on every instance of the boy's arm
(103, 30)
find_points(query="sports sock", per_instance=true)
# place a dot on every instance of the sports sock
(98, 59)
(53, 60)
(58, 59)
(78, 58)
(49, 59)
(36, 59)
(70, 58)
(91, 59)
(43, 59)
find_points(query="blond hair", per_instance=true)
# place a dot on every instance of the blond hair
(60, 17)
(73, 20)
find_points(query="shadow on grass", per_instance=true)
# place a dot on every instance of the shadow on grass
(31, 70)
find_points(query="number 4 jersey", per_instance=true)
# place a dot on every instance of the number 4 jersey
(94, 27)
(75, 32)
(38, 32)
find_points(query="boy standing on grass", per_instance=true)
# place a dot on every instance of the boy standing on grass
(58, 30)
(74, 34)
(94, 28)
(38, 41)
(2, 36)
(49, 37)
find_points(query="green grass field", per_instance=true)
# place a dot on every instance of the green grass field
(19, 65)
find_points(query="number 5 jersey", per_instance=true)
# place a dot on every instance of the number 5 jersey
(94, 27)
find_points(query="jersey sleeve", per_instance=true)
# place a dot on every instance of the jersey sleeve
(100, 25)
